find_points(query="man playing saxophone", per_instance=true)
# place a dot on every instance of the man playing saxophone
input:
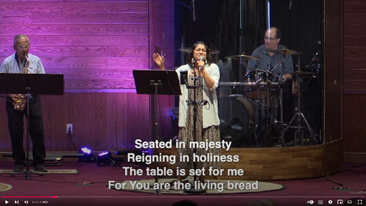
(23, 62)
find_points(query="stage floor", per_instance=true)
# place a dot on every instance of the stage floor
(89, 187)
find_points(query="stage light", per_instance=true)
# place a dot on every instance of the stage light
(86, 150)
(88, 155)
(105, 158)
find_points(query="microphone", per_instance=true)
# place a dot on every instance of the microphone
(201, 59)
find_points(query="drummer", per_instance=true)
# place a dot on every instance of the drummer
(272, 62)
(269, 60)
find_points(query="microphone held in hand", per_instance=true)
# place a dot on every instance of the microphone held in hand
(201, 59)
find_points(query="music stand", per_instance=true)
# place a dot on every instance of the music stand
(156, 82)
(47, 84)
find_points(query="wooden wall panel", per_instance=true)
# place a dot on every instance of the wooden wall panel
(102, 121)
(72, 18)
(354, 70)
(96, 45)
(74, 29)
(332, 70)
(75, 7)
(354, 121)
(87, 51)
(73, 35)
(354, 46)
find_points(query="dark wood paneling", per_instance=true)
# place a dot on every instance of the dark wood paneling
(354, 47)
(354, 52)
(332, 70)
(354, 71)
(354, 7)
(353, 42)
(354, 74)
(354, 18)
(354, 86)
(354, 80)
(354, 30)
(354, 122)
(350, 62)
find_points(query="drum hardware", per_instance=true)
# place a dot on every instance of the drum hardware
(300, 116)
(261, 119)
(317, 67)
(238, 121)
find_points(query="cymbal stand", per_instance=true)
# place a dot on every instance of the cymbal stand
(260, 112)
(281, 140)
(317, 70)
(300, 116)
(268, 111)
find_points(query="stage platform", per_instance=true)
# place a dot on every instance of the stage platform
(280, 163)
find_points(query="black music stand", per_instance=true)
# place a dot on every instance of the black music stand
(46, 84)
(156, 82)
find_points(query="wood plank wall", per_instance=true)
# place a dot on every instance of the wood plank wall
(354, 72)
(96, 45)
(332, 70)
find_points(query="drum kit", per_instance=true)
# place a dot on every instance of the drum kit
(262, 98)
(251, 110)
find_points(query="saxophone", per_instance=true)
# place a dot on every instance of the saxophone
(19, 100)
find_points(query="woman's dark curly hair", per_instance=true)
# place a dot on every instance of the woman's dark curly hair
(208, 55)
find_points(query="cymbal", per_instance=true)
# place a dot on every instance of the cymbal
(189, 50)
(302, 73)
(243, 56)
(284, 51)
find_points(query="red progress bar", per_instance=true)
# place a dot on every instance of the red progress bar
(54, 197)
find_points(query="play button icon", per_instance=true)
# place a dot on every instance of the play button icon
(6, 202)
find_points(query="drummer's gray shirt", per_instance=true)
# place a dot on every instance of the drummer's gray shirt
(273, 61)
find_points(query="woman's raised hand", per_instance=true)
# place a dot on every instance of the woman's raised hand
(159, 60)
